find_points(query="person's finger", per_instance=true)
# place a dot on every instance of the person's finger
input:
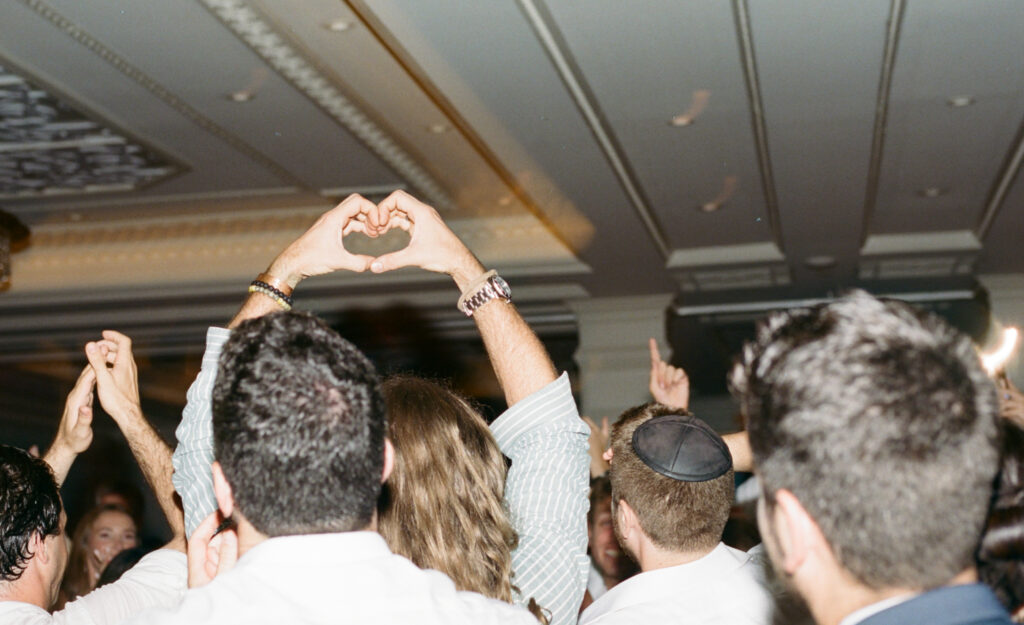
(99, 364)
(228, 550)
(606, 427)
(360, 262)
(84, 416)
(33, 451)
(590, 422)
(655, 354)
(394, 260)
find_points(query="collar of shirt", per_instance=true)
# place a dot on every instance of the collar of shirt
(652, 585)
(341, 547)
(870, 610)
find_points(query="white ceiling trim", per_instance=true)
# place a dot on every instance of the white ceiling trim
(748, 60)
(276, 51)
(543, 25)
(742, 254)
(921, 243)
(119, 63)
(1007, 174)
(892, 38)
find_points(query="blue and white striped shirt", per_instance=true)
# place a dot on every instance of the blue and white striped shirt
(546, 490)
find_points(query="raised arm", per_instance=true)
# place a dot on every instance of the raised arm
(319, 250)
(546, 489)
(519, 359)
(118, 388)
(74, 434)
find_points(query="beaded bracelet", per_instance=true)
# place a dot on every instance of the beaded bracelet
(275, 291)
(272, 294)
(275, 283)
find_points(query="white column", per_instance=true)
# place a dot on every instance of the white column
(1006, 294)
(613, 355)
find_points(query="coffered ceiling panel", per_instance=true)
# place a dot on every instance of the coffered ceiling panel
(820, 111)
(643, 74)
(957, 100)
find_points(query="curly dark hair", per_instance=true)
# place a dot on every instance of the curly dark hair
(29, 505)
(298, 426)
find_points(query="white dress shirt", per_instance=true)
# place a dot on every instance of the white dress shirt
(547, 489)
(350, 577)
(724, 586)
(157, 580)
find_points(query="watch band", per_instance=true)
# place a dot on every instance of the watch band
(485, 288)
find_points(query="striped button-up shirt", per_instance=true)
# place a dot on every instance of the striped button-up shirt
(546, 489)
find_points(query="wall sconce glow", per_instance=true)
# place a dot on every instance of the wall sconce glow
(241, 96)
(438, 128)
(698, 103)
(995, 360)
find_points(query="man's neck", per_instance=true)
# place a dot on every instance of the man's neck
(25, 593)
(652, 557)
(842, 600)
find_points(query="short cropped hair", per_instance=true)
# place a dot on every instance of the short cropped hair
(299, 426)
(675, 515)
(880, 420)
(29, 505)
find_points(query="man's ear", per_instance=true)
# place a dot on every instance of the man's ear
(797, 533)
(628, 522)
(222, 490)
(389, 460)
(37, 547)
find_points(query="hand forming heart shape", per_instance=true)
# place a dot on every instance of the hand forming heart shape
(432, 245)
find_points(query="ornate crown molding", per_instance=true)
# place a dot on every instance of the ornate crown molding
(119, 63)
(274, 48)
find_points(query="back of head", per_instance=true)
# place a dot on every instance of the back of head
(676, 515)
(443, 504)
(881, 422)
(29, 506)
(1001, 554)
(299, 426)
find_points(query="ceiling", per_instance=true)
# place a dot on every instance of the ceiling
(163, 151)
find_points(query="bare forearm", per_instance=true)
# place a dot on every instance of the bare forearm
(154, 458)
(739, 447)
(60, 457)
(520, 360)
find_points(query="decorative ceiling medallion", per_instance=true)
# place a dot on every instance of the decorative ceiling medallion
(48, 147)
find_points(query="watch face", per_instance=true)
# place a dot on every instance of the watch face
(501, 287)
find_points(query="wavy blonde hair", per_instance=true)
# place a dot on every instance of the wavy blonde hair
(443, 506)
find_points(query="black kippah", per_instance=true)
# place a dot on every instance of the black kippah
(683, 448)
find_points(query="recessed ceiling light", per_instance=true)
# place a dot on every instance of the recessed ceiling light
(960, 101)
(439, 128)
(680, 121)
(505, 200)
(241, 96)
(338, 26)
(822, 261)
(932, 192)
(709, 207)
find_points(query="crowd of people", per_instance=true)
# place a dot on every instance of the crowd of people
(887, 466)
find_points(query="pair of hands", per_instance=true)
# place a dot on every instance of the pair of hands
(668, 385)
(112, 373)
(321, 249)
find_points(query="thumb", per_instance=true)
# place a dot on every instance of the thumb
(84, 416)
(98, 362)
(228, 552)
(394, 260)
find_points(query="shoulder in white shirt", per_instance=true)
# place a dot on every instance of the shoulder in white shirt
(724, 586)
